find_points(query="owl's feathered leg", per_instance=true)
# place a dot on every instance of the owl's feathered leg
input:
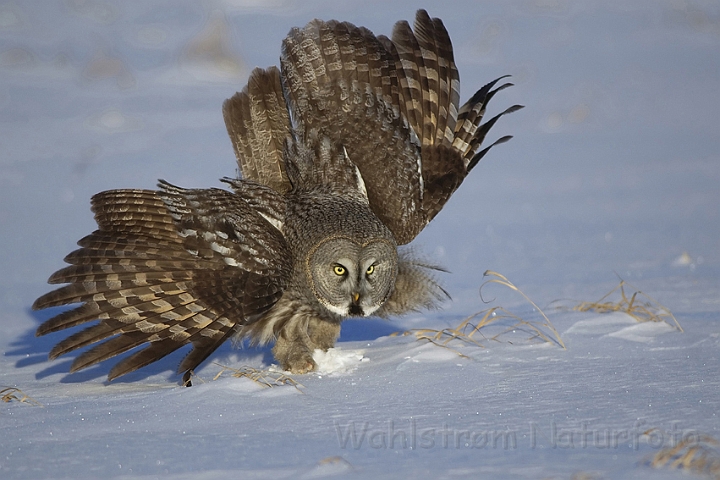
(297, 330)
(292, 350)
(296, 343)
(323, 334)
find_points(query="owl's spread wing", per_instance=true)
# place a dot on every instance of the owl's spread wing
(341, 84)
(167, 268)
(258, 123)
(393, 104)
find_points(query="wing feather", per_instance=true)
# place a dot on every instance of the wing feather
(377, 118)
(393, 105)
(258, 122)
(336, 92)
(220, 267)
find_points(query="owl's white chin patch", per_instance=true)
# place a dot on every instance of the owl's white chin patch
(370, 310)
(349, 311)
(342, 311)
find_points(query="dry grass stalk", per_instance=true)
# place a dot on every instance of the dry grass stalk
(466, 330)
(535, 326)
(336, 460)
(8, 394)
(264, 378)
(640, 306)
(586, 476)
(698, 454)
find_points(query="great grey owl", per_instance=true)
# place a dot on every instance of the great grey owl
(346, 152)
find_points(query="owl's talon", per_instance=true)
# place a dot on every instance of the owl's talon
(305, 365)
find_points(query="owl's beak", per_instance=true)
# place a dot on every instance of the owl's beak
(355, 309)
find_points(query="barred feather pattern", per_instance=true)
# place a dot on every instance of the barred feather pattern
(337, 94)
(258, 123)
(394, 105)
(167, 269)
(356, 136)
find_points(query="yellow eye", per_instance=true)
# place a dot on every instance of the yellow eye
(339, 270)
(370, 269)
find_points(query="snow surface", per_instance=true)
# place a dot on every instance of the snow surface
(613, 172)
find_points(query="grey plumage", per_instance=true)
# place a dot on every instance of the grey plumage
(346, 153)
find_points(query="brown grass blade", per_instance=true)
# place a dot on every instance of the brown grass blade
(640, 306)
(466, 330)
(10, 394)
(699, 454)
(264, 378)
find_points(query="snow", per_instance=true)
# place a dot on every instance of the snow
(613, 172)
(336, 361)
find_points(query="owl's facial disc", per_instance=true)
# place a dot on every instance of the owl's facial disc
(350, 278)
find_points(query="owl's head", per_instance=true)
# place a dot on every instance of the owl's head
(351, 277)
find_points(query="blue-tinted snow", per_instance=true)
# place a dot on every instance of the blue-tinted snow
(613, 171)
